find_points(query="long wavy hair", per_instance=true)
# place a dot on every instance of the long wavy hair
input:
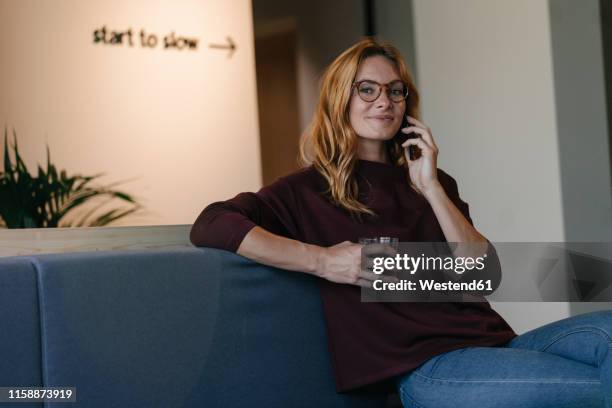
(331, 143)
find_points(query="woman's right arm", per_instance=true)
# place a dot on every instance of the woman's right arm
(255, 230)
(340, 263)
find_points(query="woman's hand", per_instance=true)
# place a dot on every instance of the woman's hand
(341, 263)
(424, 170)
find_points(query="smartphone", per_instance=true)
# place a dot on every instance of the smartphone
(413, 151)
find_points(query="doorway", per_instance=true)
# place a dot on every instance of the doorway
(275, 55)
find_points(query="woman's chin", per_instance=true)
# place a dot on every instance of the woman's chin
(380, 137)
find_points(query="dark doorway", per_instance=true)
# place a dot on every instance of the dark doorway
(278, 103)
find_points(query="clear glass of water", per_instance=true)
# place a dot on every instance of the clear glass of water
(376, 247)
(390, 241)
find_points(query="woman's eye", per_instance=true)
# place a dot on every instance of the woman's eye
(365, 90)
(397, 92)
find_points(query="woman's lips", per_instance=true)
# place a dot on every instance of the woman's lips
(382, 119)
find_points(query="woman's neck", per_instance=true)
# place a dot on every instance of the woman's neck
(372, 150)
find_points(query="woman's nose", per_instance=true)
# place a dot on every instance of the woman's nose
(383, 100)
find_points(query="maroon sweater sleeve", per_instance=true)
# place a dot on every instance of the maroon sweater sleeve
(224, 224)
(450, 186)
(493, 269)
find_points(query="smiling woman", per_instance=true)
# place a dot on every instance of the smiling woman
(376, 114)
(364, 124)
(361, 182)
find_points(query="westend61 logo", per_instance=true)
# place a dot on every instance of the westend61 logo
(429, 271)
(401, 264)
(412, 264)
(460, 272)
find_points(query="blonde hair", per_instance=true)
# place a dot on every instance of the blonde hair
(331, 144)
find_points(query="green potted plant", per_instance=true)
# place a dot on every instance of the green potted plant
(49, 198)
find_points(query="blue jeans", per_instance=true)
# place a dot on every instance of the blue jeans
(564, 364)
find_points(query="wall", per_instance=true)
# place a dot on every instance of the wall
(580, 102)
(324, 29)
(394, 22)
(581, 119)
(181, 126)
(486, 80)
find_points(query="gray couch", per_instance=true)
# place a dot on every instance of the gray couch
(186, 327)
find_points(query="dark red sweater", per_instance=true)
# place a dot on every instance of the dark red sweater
(369, 342)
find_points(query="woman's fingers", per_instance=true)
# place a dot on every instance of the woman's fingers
(367, 275)
(427, 136)
(369, 283)
(416, 122)
(345, 264)
(364, 283)
(374, 249)
(425, 148)
(371, 276)
(424, 133)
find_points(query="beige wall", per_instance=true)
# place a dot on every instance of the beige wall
(181, 125)
(486, 79)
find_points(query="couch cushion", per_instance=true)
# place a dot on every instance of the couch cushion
(185, 327)
(20, 353)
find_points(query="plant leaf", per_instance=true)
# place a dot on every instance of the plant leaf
(46, 199)
(111, 216)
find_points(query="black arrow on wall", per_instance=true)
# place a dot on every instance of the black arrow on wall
(231, 46)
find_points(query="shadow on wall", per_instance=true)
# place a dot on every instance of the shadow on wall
(579, 33)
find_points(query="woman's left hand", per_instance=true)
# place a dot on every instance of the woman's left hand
(424, 170)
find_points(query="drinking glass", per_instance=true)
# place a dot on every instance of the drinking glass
(376, 247)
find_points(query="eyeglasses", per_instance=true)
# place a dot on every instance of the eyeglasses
(369, 91)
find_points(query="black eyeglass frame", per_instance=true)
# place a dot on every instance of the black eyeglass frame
(386, 86)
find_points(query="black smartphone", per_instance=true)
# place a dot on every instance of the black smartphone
(413, 151)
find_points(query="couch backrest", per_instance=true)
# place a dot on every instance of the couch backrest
(20, 345)
(180, 328)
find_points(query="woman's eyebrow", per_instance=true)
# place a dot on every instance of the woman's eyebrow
(371, 80)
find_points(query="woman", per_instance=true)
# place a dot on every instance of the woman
(363, 183)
